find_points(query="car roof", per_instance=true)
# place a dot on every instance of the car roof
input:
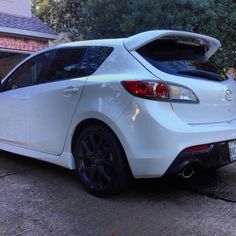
(98, 42)
(136, 41)
(133, 42)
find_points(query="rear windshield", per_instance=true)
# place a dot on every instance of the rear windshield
(181, 57)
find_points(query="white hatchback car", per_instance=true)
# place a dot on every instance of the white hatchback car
(142, 106)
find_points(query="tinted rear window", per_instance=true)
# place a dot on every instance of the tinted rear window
(180, 57)
(66, 64)
(96, 56)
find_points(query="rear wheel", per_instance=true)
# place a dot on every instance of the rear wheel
(101, 162)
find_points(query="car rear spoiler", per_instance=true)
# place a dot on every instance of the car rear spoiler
(139, 40)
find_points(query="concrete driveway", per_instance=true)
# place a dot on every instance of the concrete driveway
(41, 199)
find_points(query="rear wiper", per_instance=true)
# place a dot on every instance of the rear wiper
(202, 74)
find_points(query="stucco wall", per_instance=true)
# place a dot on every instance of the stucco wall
(16, 7)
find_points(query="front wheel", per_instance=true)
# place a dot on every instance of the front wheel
(101, 162)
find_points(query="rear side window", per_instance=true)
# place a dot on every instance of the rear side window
(96, 56)
(181, 57)
(67, 64)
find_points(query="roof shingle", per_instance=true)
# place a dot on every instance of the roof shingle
(25, 23)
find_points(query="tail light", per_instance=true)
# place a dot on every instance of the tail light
(148, 89)
(160, 90)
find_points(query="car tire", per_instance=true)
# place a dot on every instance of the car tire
(101, 162)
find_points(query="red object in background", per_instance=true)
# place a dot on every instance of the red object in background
(23, 44)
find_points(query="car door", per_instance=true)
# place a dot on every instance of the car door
(53, 101)
(14, 101)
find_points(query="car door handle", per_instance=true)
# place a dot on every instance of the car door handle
(70, 90)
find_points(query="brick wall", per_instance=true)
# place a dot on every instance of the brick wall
(23, 44)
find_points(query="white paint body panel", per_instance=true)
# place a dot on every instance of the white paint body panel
(51, 107)
(14, 127)
(152, 133)
(213, 106)
(137, 41)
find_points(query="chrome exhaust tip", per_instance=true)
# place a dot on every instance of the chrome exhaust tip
(187, 172)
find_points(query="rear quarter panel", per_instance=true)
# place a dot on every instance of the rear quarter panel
(104, 97)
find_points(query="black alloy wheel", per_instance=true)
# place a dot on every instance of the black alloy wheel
(100, 160)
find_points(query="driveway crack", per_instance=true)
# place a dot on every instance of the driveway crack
(209, 195)
(16, 172)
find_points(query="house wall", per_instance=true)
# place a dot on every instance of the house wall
(16, 7)
(21, 43)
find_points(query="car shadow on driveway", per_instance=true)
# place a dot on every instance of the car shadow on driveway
(220, 184)
(217, 184)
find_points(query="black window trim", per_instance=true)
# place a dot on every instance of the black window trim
(54, 51)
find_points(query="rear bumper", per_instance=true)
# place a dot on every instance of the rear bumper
(153, 137)
(216, 157)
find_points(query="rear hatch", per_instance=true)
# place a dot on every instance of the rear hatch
(184, 58)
